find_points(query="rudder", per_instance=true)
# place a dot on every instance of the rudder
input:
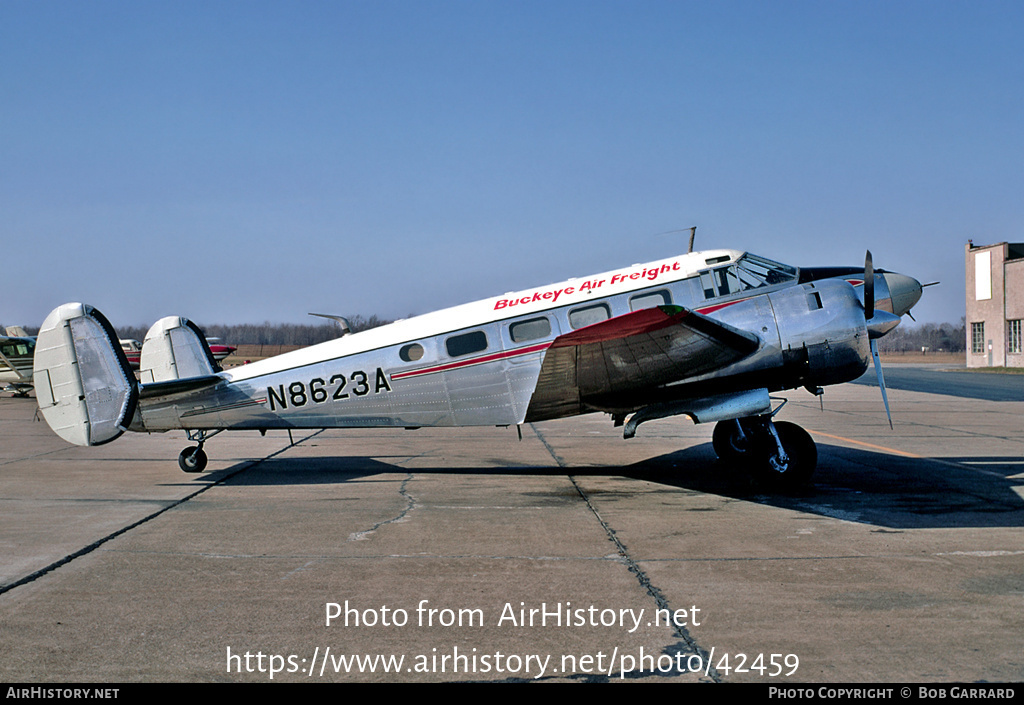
(175, 348)
(84, 386)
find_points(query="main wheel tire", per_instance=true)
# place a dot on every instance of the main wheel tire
(802, 457)
(192, 459)
(726, 441)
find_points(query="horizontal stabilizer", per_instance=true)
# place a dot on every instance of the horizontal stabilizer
(175, 348)
(151, 390)
(85, 388)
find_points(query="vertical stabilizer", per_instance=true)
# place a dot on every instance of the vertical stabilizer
(85, 388)
(175, 348)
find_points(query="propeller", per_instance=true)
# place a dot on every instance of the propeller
(869, 288)
(877, 328)
(881, 379)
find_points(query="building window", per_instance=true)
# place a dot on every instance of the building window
(983, 276)
(1014, 343)
(977, 337)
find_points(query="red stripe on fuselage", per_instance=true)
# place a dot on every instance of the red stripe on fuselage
(651, 320)
(718, 307)
(472, 361)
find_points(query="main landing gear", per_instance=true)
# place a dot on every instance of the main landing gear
(193, 458)
(780, 453)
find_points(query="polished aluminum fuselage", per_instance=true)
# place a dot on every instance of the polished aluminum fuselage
(810, 334)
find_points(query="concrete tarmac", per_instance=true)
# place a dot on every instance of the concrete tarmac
(993, 384)
(473, 556)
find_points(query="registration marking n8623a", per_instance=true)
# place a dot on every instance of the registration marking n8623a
(318, 391)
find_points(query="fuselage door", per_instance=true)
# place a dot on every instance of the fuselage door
(526, 339)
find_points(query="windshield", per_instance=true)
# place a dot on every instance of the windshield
(748, 272)
(757, 271)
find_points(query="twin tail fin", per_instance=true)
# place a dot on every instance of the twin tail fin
(86, 389)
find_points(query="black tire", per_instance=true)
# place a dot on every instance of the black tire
(803, 457)
(192, 459)
(725, 439)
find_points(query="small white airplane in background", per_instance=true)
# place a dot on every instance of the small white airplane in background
(706, 334)
(16, 349)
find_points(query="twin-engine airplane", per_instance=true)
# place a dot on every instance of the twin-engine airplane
(707, 334)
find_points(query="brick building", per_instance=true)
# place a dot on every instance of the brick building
(995, 304)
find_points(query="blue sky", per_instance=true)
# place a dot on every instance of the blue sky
(249, 161)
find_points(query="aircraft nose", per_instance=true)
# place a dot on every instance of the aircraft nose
(905, 292)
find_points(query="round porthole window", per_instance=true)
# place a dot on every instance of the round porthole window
(411, 352)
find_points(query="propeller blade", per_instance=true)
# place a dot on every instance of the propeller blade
(881, 379)
(869, 287)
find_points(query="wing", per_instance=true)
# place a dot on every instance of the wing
(586, 369)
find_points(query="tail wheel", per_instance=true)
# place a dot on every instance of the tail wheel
(801, 460)
(192, 459)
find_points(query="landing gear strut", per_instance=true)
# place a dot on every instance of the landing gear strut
(732, 440)
(780, 453)
(193, 458)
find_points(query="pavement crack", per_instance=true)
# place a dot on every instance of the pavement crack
(410, 504)
(680, 632)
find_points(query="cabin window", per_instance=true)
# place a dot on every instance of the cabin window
(466, 344)
(589, 315)
(650, 300)
(411, 352)
(532, 329)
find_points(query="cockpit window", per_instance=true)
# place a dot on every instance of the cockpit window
(758, 271)
(748, 272)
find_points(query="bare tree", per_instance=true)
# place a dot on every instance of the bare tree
(268, 333)
(941, 337)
